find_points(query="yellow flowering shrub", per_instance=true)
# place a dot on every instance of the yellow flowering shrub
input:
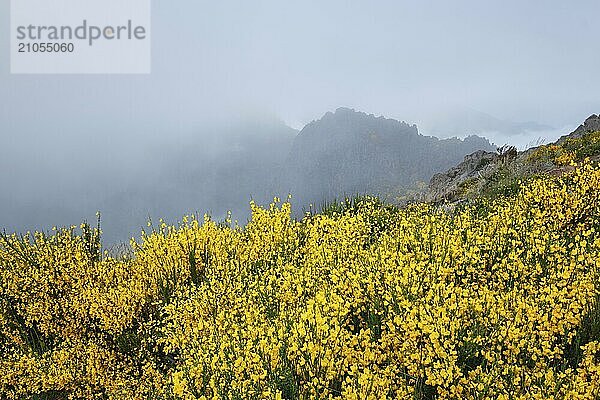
(571, 149)
(497, 299)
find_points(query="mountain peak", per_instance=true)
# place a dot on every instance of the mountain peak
(591, 117)
(346, 110)
(346, 121)
(348, 152)
(591, 124)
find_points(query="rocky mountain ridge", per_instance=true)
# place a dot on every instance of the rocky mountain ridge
(349, 152)
(486, 172)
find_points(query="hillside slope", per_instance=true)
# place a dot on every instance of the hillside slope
(488, 174)
(498, 299)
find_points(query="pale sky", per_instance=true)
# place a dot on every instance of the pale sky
(533, 60)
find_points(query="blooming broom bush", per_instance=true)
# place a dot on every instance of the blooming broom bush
(498, 299)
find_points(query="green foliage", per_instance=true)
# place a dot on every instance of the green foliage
(503, 183)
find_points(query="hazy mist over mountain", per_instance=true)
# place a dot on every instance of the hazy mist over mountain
(216, 123)
(349, 152)
(221, 170)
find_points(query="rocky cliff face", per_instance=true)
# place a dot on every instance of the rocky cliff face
(448, 186)
(349, 152)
